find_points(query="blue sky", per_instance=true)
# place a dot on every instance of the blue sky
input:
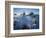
(26, 10)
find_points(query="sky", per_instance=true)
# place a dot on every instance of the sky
(26, 10)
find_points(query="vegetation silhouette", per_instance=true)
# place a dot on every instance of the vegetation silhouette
(31, 13)
(24, 14)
